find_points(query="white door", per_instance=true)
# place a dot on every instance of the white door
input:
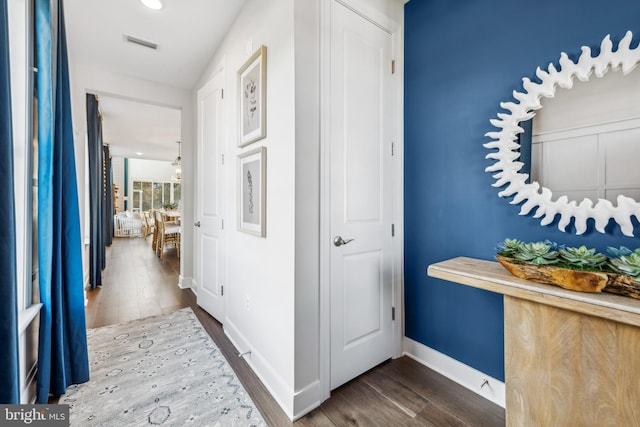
(361, 207)
(209, 225)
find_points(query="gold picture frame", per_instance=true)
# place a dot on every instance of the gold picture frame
(252, 97)
(252, 194)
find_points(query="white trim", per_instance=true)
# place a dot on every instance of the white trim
(28, 392)
(187, 283)
(371, 14)
(397, 81)
(27, 373)
(273, 382)
(306, 400)
(324, 334)
(597, 128)
(26, 316)
(457, 371)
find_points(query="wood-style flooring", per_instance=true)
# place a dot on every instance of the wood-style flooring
(400, 392)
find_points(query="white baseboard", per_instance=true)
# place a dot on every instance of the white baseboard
(306, 400)
(185, 283)
(464, 375)
(281, 392)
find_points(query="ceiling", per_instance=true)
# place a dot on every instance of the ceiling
(187, 33)
(131, 127)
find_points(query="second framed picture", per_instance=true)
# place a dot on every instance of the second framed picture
(252, 181)
(252, 93)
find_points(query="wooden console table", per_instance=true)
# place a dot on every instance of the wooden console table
(571, 358)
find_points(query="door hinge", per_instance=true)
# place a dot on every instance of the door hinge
(393, 148)
(221, 291)
(393, 66)
(222, 226)
(393, 313)
(393, 230)
(222, 93)
(222, 158)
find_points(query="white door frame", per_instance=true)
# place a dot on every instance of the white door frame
(396, 30)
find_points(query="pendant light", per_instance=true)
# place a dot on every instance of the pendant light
(178, 164)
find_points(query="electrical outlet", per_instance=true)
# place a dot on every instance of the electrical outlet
(247, 302)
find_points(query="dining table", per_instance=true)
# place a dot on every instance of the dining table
(172, 215)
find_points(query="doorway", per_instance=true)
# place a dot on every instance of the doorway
(142, 140)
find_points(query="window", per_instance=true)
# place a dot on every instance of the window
(154, 194)
(21, 31)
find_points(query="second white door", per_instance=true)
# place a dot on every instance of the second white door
(209, 225)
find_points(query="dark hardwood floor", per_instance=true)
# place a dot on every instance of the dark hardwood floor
(400, 392)
(136, 283)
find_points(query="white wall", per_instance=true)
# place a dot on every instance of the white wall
(280, 273)
(86, 78)
(263, 268)
(308, 390)
(150, 170)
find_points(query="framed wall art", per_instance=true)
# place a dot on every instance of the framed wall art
(252, 93)
(252, 184)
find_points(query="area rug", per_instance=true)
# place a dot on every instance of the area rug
(160, 370)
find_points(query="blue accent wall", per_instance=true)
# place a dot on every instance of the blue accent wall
(462, 58)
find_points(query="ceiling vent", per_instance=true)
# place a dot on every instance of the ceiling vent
(140, 42)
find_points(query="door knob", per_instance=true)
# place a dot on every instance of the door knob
(197, 224)
(339, 241)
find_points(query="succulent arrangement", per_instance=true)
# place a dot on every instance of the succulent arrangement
(627, 263)
(620, 260)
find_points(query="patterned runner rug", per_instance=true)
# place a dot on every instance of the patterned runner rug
(161, 370)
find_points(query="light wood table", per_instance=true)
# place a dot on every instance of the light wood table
(172, 215)
(571, 358)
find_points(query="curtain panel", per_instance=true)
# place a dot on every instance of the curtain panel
(9, 368)
(97, 258)
(108, 196)
(62, 346)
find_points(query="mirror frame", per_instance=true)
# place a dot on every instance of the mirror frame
(506, 169)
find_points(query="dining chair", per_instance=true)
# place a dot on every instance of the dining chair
(149, 224)
(159, 230)
(169, 234)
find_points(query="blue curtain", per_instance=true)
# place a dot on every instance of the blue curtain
(97, 258)
(62, 348)
(9, 368)
(108, 196)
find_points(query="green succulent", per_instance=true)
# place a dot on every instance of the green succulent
(618, 252)
(583, 257)
(627, 264)
(537, 253)
(509, 248)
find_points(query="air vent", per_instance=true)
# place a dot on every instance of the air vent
(140, 42)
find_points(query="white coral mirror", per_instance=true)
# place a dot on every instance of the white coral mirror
(587, 158)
